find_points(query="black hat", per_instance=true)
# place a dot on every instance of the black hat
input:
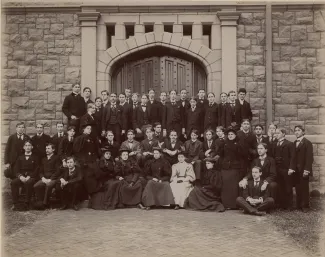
(106, 149)
(85, 125)
(209, 159)
(230, 129)
(157, 149)
(124, 150)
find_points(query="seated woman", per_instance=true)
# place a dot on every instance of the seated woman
(207, 196)
(181, 180)
(157, 191)
(107, 197)
(128, 172)
(171, 147)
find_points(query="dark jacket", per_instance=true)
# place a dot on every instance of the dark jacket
(106, 169)
(202, 103)
(74, 105)
(206, 148)
(114, 148)
(65, 148)
(146, 146)
(159, 169)
(89, 120)
(155, 114)
(255, 192)
(49, 169)
(232, 154)
(245, 111)
(194, 120)
(172, 114)
(268, 169)
(75, 177)
(107, 111)
(285, 155)
(222, 114)
(14, 148)
(185, 105)
(56, 140)
(193, 150)
(233, 114)
(128, 114)
(128, 169)
(304, 156)
(211, 116)
(86, 149)
(39, 144)
(138, 116)
(28, 167)
(98, 118)
(248, 142)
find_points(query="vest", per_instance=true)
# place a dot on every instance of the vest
(145, 117)
(113, 119)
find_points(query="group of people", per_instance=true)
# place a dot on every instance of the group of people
(194, 154)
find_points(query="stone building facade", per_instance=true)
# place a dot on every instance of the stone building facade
(275, 51)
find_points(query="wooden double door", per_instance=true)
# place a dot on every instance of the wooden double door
(162, 73)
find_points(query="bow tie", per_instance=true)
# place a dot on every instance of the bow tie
(60, 134)
(173, 103)
(143, 105)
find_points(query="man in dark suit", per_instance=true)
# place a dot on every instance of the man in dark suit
(135, 101)
(255, 199)
(155, 107)
(233, 113)
(132, 146)
(48, 173)
(201, 101)
(66, 145)
(141, 117)
(157, 133)
(194, 119)
(86, 96)
(105, 97)
(208, 145)
(147, 146)
(222, 107)
(268, 168)
(284, 155)
(40, 140)
(193, 151)
(14, 148)
(58, 136)
(127, 110)
(171, 147)
(163, 101)
(172, 117)
(303, 168)
(211, 113)
(114, 119)
(69, 185)
(185, 105)
(89, 119)
(26, 170)
(272, 141)
(260, 138)
(128, 95)
(74, 107)
(245, 108)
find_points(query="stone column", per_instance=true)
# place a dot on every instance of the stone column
(120, 33)
(178, 29)
(229, 49)
(88, 23)
(158, 28)
(138, 29)
(197, 32)
(215, 37)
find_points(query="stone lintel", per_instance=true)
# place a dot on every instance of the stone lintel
(88, 16)
(228, 18)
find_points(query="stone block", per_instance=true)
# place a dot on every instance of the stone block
(257, 50)
(56, 51)
(285, 110)
(243, 43)
(257, 103)
(254, 59)
(322, 87)
(298, 64)
(294, 98)
(20, 102)
(310, 85)
(72, 32)
(37, 69)
(64, 87)
(284, 31)
(304, 17)
(195, 48)
(65, 18)
(245, 70)
(315, 130)
(321, 56)
(54, 97)
(241, 56)
(74, 61)
(319, 20)
(35, 34)
(281, 66)
(26, 114)
(213, 56)
(240, 31)
(251, 86)
(288, 18)
(11, 117)
(289, 79)
(72, 75)
(259, 73)
(16, 87)
(9, 73)
(24, 71)
(51, 66)
(38, 95)
(18, 55)
(246, 18)
(316, 101)
(314, 36)
(253, 29)
(64, 43)
(46, 82)
(286, 89)
(319, 72)
(176, 40)
(45, 116)
(308, 52)
(185, 43)
(289, 51)
(11, 29)
(30, 59)
(15, 18)
(30, 84)
(77, 46)
(14, 39)
(121, 47)
(166, 38)
(321, 149)
(204, 51)
(307, 114)
(6, 106)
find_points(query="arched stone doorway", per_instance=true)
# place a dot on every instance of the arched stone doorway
(208, 61)
(160, 68)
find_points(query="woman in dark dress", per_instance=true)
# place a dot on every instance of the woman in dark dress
(207, 196)
(231, 153)
(107, 198)
(128, 172)
(65, 148)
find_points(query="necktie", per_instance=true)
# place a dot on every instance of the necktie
(297, 143)
(173, 103)
(256, 183)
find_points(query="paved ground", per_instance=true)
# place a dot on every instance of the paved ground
(133, 232)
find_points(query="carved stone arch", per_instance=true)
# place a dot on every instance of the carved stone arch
(209, 59)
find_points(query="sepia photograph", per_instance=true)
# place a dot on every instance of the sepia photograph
(162, 128)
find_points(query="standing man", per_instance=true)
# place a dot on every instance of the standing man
(233, 117)
(211, 113)
(40, 140)
(303, 168)
(194, 119)
(128, 95)
(114, 119)
(105, 97)
(172, 117)
(89, 119)
(245, 108)
(14, 148)
(141, 117)
(185, 105)
(86, 96)
(135, 100)
(201, 101)
(155, 115)
(222, 107)
(74, 107)
(57, 138)
(127, 110)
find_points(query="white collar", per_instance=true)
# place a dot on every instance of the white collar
(122, 104)
(300, 138)
(281, 140)
(259, 179)
(72, 169)
(193, 141)
(262, 157)
(241, 101)
(28, 154)
(49, 157)
(40, 134)
(259, 137)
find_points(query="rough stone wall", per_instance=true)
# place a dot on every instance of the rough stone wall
(251, 62)
(41, 60)
(299, 70)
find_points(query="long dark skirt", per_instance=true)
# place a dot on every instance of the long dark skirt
(203, 199)
(157, 194)
(131, 196)
(108, 199)
(229, 190)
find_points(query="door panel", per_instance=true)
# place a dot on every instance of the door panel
(161, 73)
